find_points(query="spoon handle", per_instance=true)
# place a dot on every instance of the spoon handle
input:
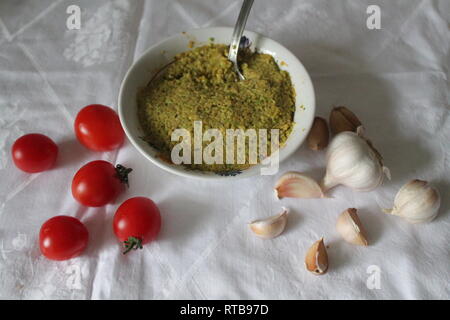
(239, 30)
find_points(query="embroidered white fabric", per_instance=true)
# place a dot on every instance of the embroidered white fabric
(395, 79)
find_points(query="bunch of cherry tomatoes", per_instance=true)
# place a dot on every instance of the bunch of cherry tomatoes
(137, 221)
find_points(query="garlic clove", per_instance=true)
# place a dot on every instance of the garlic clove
(297, 185)
(318, 136)
(342, 119)
(416, 202)
(350, 228)
(270, 227)
(316, 260)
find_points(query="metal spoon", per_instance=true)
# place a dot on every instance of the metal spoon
(237, 34)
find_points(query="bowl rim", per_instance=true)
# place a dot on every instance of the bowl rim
(199, 174)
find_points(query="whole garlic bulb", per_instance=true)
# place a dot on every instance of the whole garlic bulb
(353, 162)
(416, 202)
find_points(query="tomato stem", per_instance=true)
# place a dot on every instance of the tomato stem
(132, 243)
(122, 173)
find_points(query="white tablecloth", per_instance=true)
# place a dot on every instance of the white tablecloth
(395, 79)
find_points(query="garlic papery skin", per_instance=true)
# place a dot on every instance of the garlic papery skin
(297, 185)
(316, 260)
(342, 119)
(416, 202)
(318, 136)
(271, 227)
(352, 161)
(350, 228)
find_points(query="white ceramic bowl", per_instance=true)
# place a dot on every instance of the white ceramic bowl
(163, 52)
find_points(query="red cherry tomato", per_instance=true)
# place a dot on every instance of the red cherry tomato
(98, 183)
(136, 222)
(98, 128)
(34, 152)
(63, 238)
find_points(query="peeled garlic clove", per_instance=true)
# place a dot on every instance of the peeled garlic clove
(416, 202)
(353, 162)
(342, 119)
(316, 259)
(296, 185)
(318, 137)
(350, 228)
(271, 227)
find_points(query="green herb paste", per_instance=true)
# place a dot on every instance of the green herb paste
(201, 85)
